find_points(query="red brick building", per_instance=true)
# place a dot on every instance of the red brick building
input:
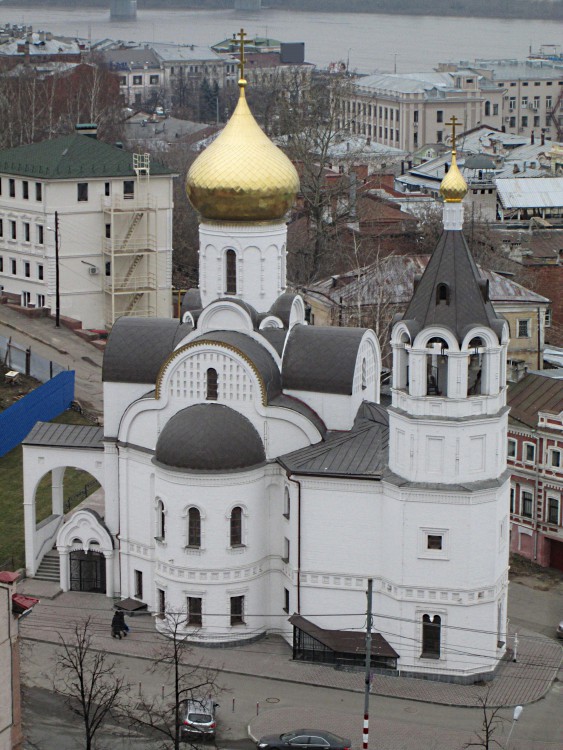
(535, 457)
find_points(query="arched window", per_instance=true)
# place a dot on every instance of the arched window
(475, 369)
(431, 635)
(286, 503)
(230, 272)
(194, 528)
(442, 294)
(364, 375)
(160, 521)
(437, 367)
(212, 385)
(487, 109)
(236, 527)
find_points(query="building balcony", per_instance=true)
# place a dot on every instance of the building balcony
(128, 203)
(123, 246)
(123, 285)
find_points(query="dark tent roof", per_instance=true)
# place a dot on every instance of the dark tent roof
(209, 437)
(137, 347)
(253, 351)
(345, 641)
(467, 304)
(321, 359)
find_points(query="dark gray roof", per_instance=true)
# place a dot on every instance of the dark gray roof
(533, 394)
(360, 453)
(321, 359)
(276, 337)
(344, 641)
(137, 347)
(282, 307)
(468, 306)
(254, 317)
(253, 351)
(479, 161)
(288, 402)
(209, 437)
(65, 435)
(191, 300)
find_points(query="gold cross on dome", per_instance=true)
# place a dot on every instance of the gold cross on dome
(242, 35)
(452, 123)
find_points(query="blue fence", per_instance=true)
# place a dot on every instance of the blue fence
(46, 402)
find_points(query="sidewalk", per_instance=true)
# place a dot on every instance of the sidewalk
(519, 683)
(60, 345)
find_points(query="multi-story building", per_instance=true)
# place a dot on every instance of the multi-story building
(139, 74)
(532, 93)
(85, 229)
(188, 65)
(535, 459)
(409, 110)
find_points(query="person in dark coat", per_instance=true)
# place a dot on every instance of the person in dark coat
(116, 626)
(123, 627)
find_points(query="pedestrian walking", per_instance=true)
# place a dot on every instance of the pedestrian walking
(116, 626)
(123, 627)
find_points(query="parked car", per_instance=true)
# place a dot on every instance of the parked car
(199, 719)
(304, 738)
(560, 630)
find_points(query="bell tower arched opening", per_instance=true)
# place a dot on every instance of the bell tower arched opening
(437, 367)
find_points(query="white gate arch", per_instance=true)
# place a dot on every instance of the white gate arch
(85, 531)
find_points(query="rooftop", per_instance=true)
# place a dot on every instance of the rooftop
(533, 394)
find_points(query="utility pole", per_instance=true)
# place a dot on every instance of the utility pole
(365, 744)
(57, 275)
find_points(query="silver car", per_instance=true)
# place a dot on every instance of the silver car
(199, 719)
(560, 630)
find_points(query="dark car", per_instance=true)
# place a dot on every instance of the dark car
(304, 738)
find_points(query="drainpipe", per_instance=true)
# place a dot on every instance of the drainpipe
(536, 498)
(539, 339)
(298, 483)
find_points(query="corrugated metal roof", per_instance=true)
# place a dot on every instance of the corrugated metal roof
(535, 192)
(65, 436)
(533, 394)
(344, 641)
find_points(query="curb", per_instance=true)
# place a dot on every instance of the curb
(31, 336)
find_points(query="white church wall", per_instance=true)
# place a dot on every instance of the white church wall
(336, 411)
(117, 398)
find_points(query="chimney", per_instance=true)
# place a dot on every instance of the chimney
(87, 128)
(532, 138)
(352, 206)
(543, 138)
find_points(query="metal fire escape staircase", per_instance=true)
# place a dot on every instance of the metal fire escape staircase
(130, 249)
(556, 116)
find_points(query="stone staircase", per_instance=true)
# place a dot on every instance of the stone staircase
(49, 570)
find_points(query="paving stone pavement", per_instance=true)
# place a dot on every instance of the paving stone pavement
(525, 681)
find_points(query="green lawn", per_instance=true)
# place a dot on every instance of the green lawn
(11, 497)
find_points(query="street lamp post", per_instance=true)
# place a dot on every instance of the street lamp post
(516, 715)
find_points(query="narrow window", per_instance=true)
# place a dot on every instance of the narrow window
(442, 294)
(286, 550)
(286, 600)
(431, 634)
(434, 541)
(25, 190)
(13, 230)
(194, 528)
(12, 184)
(512, 499)
(236, 527)
(440, 116)
(530, 453)
(556, 458)
(40, 300)
(524, 329)
(106, 188)
(237, 610)
(108, 231)
(231, 272)
(161, 602)
(14, 265)
(38, 191)
(1, 227)
(286, 503)
(82, 191)
(129, 189)
(527, 501)
(364, 375)
(552, 510)
(511, 448)
(40, 234)
(212, 385)
(195, 611)
(1, 264)
(138, 584)
(27, 269)
(160, 521)
(26, 232)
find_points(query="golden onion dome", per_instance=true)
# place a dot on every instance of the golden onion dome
(242, 176)
(453, 187)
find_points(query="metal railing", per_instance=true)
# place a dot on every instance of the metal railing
(146, 282)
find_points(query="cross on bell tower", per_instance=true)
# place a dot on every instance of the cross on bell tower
(452, 123)
(242, 34)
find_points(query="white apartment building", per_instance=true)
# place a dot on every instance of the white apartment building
(89, 219)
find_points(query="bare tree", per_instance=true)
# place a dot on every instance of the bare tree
(87, 678)
(492, 721)
(164, 713)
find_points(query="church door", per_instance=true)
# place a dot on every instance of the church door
(87, 572)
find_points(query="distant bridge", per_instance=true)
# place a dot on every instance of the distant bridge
(248, 4)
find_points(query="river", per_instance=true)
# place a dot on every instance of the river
(370, 42)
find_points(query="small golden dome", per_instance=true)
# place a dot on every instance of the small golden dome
(453, 187)
(242, 176)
